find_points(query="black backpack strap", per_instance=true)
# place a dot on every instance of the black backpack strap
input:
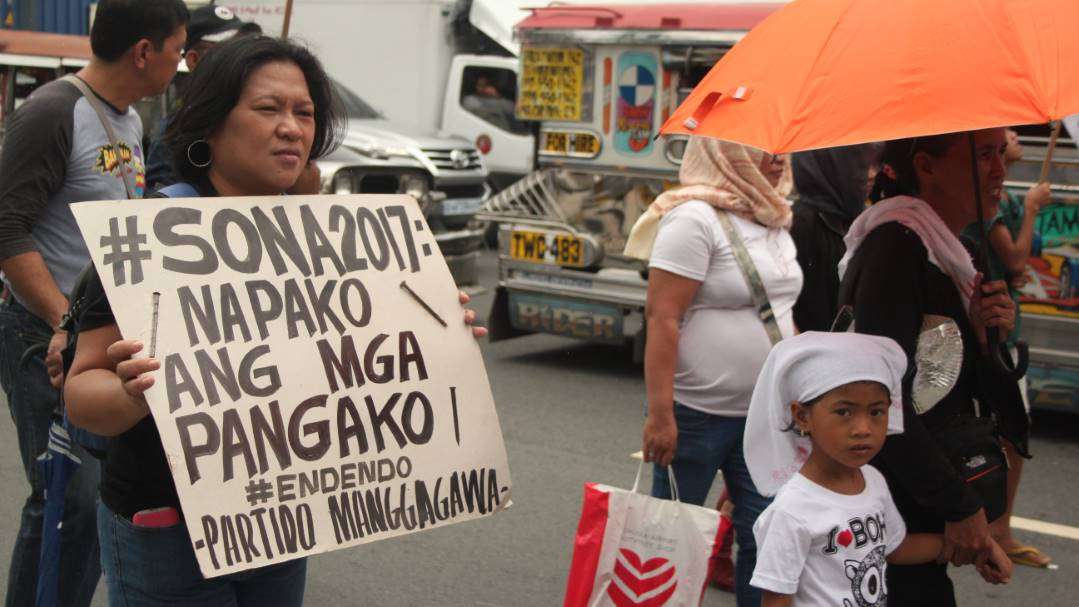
(85, 297)
(80, 299)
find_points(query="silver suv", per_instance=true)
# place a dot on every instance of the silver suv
(446, 175)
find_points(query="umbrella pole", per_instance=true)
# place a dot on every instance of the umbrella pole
(993, 337)
(983, 231)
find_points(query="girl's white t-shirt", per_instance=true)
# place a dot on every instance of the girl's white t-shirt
(722, 343)
(825, 548)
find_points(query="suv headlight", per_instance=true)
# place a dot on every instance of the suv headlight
(342, 183)
(373, 148)
(370, 149)
(414, 185)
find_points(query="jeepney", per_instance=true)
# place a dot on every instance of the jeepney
(598, 82)
(30, 59)
(1050, 299)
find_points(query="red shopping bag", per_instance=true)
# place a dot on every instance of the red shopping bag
(634, 550)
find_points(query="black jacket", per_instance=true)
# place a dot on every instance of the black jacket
(831, 186)
(818, 236)
(892, 286)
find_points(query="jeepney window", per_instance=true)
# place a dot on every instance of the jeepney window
(17, 82)
(490, 94)
(691, 65)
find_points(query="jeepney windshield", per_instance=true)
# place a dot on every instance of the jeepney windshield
(354, 106)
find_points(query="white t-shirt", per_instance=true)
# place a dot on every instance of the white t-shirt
(723, 343)
(825, 548)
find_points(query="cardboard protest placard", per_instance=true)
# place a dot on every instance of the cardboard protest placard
(318, 386)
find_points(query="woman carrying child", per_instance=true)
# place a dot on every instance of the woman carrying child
(823, 406)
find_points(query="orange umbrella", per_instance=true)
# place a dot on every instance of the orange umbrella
(825, 73)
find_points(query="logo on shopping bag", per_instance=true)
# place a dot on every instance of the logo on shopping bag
(641, 584)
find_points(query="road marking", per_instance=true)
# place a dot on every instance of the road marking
(638, 455)
(1064, 531)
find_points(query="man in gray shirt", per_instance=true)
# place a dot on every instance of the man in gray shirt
(56, 152)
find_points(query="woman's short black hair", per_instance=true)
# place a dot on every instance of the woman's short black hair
(119, 24)
(899, 155)
(216, 85)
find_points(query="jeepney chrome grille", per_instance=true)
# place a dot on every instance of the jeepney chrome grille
(531, 197)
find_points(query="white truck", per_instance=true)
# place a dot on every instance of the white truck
(430, 107)
(431, 66)
(421, 64)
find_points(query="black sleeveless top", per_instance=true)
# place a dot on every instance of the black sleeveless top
(892, 285)
(135, 474)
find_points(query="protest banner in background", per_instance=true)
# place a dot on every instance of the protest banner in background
(269, 14)
(318, 386)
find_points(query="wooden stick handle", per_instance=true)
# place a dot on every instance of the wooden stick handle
(1048, 151)
(288, 19)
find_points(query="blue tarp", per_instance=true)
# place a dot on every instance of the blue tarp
(56, 16)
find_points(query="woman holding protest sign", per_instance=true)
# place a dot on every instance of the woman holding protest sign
(257, 110)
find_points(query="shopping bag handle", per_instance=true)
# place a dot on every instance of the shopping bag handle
(670, 477)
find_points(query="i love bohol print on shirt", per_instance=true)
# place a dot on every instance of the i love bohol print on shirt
(826, 548)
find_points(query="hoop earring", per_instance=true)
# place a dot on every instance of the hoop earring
(209, 154)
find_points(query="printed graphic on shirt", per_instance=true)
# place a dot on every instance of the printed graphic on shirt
(108, 162)
(867, 580)
(859, 531)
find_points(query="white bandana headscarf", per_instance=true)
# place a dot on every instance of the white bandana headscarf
(945, 250)
(802, 368)
(727, 176)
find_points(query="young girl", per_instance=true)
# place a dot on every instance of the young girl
(823, 405)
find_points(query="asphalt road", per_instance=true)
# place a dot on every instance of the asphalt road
(571, 413)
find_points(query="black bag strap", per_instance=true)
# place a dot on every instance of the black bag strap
(844, 318)
(752, 277)
(79, 300)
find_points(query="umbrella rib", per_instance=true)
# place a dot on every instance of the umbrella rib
(1030, 63)
(813, 66)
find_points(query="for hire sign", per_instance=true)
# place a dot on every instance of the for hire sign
(318, 386)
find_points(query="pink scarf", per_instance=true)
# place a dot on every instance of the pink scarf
(945, 250)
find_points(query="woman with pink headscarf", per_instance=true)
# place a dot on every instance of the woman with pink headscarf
(706, 339)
